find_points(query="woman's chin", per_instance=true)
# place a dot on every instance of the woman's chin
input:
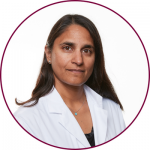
(75, 83)
(70, 81)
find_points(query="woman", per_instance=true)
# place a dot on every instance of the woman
(73, 104)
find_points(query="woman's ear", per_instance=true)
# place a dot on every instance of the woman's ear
(48, 54)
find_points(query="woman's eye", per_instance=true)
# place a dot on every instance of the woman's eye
(67, 48)
(87, 51)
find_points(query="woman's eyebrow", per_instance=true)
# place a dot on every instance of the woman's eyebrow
(88, 46)
(68, 43)
(73, 44)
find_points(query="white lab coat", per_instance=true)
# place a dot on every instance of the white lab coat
(52, 122)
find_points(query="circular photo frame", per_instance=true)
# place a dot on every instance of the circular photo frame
(126, 58)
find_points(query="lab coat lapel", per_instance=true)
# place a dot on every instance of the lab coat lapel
(68, 121)
(66, 118)
(99, 115)
(71, 125)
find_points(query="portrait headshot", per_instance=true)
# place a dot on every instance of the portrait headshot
(73, 104)
(75, 80)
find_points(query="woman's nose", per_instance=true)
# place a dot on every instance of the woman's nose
(77, 58)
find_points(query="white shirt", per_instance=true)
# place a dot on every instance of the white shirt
(52, 122)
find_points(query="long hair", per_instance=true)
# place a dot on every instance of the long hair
(98, 81)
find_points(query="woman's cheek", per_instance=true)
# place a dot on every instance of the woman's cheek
(59, 62)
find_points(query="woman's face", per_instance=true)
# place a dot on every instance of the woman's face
(73, 55)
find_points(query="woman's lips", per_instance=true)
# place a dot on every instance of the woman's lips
(76, 70)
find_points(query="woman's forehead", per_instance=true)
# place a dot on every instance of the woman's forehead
(75, 34)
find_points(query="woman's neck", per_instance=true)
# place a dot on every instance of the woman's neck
(73, 96)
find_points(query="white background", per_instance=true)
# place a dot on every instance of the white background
(136, 12)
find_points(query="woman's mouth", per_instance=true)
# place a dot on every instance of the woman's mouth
(76, 70)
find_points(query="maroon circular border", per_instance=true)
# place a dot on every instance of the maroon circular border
(91, 3)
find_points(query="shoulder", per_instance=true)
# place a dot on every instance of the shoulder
(25, 112)
(105, 103)
(112, 108)
(115, 120)
(34, 110)
(23, 115)
(109, 104)
(114, 113)
(30, 116)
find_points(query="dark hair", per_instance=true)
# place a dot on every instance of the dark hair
(98, 81)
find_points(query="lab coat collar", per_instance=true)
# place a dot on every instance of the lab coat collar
(67, 120)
